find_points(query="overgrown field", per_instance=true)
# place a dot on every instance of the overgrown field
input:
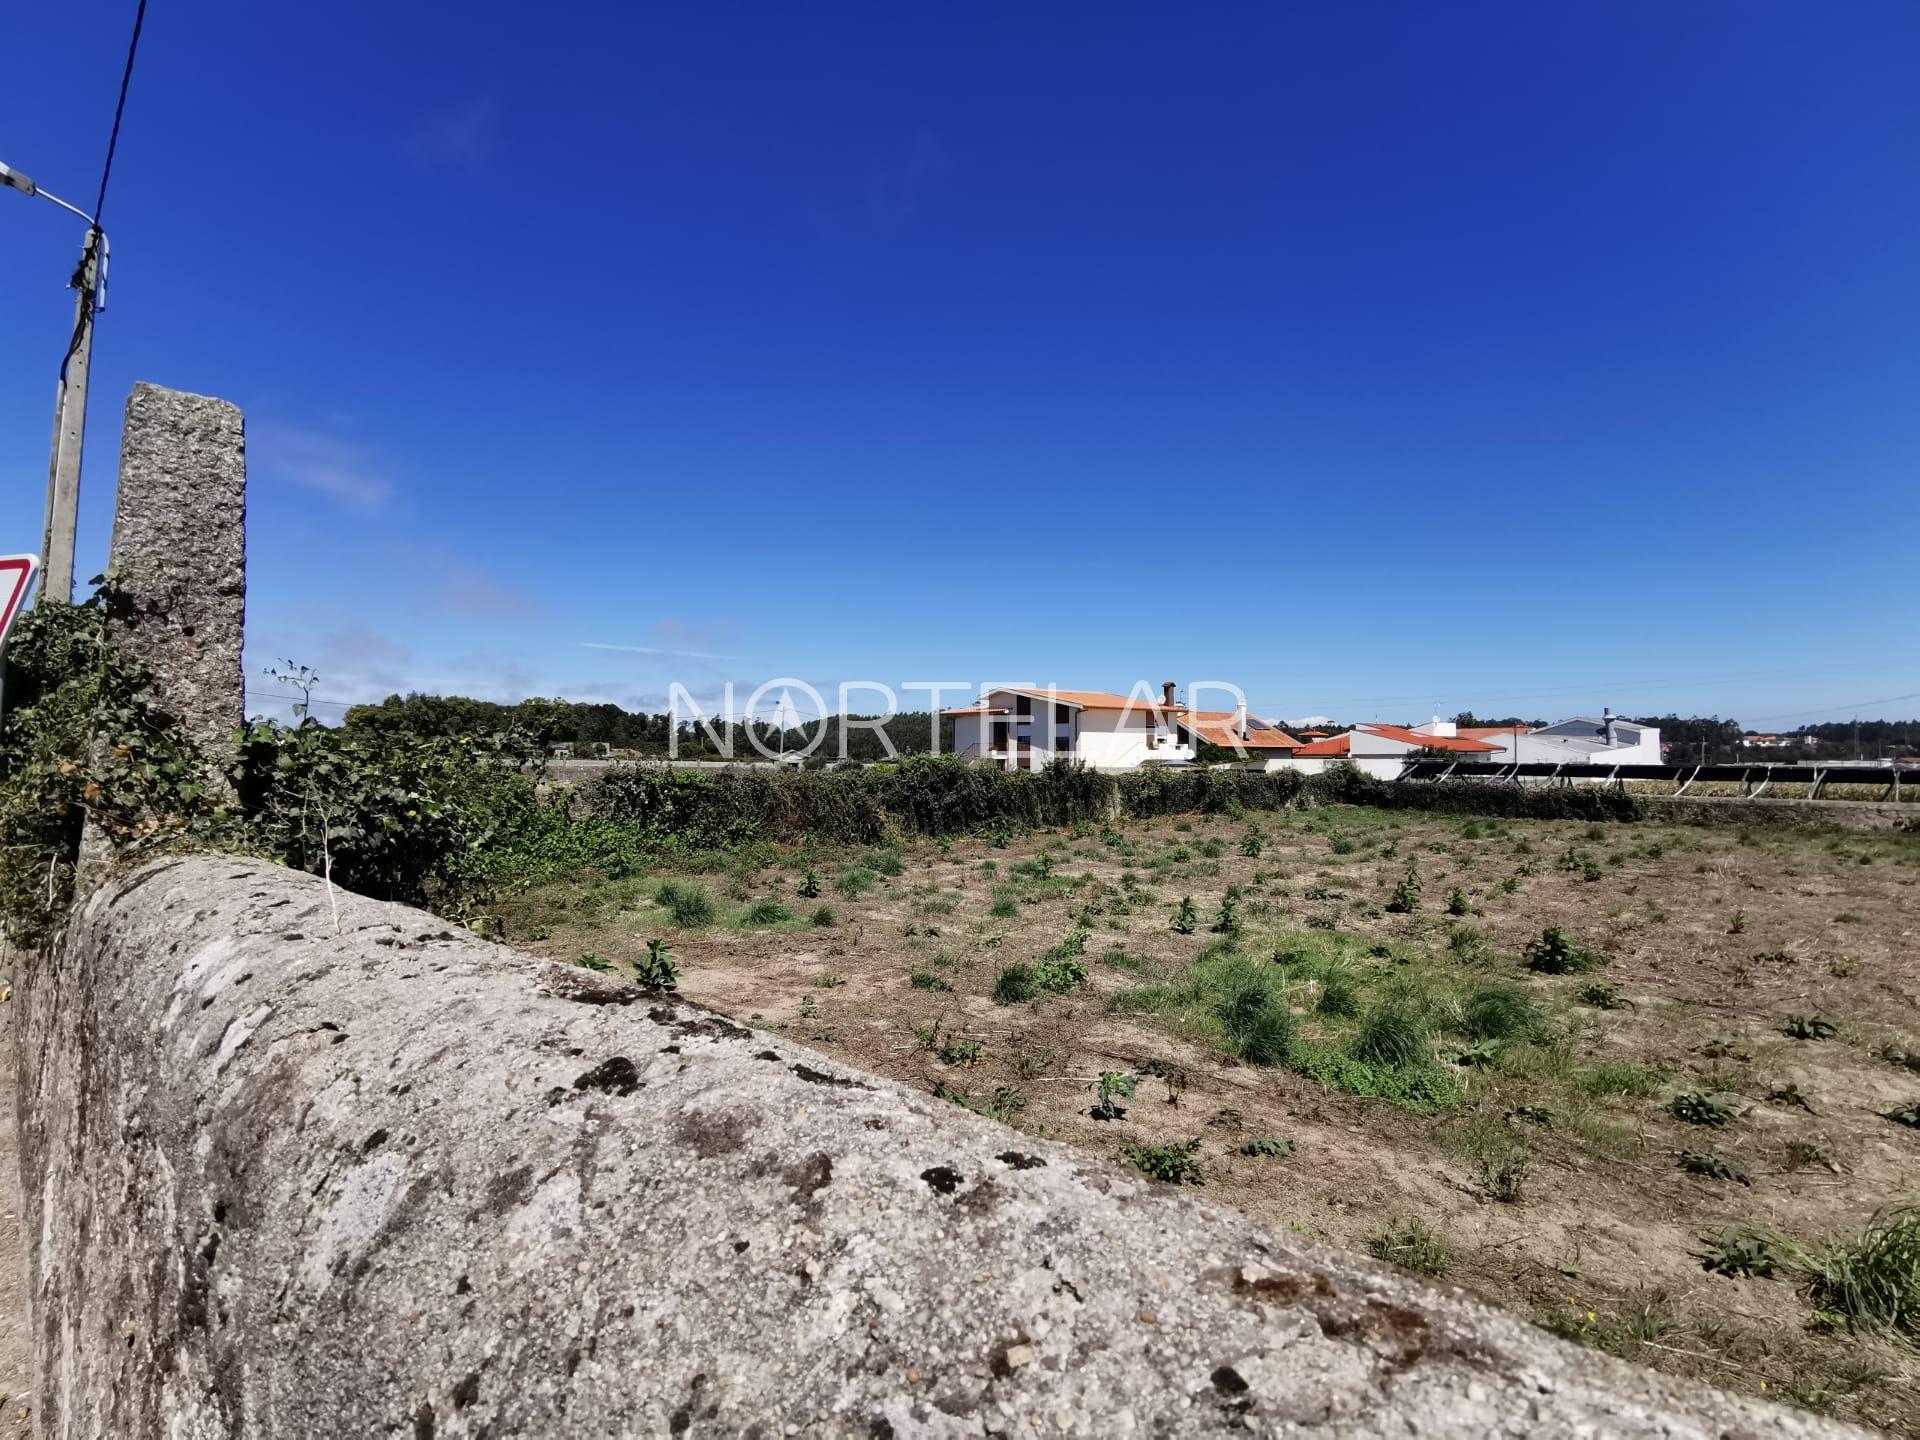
(1650, 1085)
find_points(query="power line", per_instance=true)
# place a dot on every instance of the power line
(119, 109)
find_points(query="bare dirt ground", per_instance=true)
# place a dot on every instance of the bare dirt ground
(1543, 1163)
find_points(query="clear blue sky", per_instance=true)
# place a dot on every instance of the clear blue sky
(1379, 358)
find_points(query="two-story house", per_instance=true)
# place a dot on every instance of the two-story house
(1023, 727)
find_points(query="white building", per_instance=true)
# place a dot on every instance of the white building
(1384, 750)
(1583, 740)
(1023, 727)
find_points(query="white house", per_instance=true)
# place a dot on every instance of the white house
(1383, 750)
(1583, 740)
(1023, 727)
(1265, 746)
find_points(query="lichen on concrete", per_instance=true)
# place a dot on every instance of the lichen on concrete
(395, 1181)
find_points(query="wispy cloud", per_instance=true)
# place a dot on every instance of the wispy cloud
(322, 460)
(458, 137)
(656, 650)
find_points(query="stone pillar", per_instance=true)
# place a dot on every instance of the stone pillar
(179, 544)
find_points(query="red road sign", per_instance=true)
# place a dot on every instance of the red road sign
(16, 576)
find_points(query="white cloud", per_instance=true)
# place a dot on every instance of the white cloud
(319, 460)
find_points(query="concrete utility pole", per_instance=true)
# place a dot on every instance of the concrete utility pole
(70, 400)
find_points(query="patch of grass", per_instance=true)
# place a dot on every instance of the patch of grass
(1175, 1163)
(1555, 953)
(1420, 1089)
(1016, 985)
(961, 1051)
(822, 917)
(1500, 1159)
(1412, 1245)
(1873, 1279)
(1601, 996)
(1501, 1012)
(854, 883)
(1006, 902)
(687, 904)
(927, 980)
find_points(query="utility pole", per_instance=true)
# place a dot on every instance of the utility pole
(70, 397)
(70, 432)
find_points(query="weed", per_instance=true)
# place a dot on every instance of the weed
(593, 962)
(927, 980)
(1808, 1027)
(1175, 1163)
(1555, 953)
(1412, 1245)
(1457, 902)
(1696, 1107)
(1746, 1250)
(822, 917)
(1470, 946)
(1579, 862)
(1712, 1165)
(829, 980)
(1186, 919)
(1501, 1160)
(1907, 1114)
(1112, 1083)
(1802, 1154)
(1005, 1103)
(1266, 1145)
(1406, 895)
(1212, 849)
(656, 969)
(961, 1052)
(1601, 996)
(1227, 922)
(809, 886)
(1252, 842)
(1739, 923)
(688, 905)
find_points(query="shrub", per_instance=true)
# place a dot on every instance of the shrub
(1228, 920)
(1252, 842)
(1174, 1163)
(1411, 1245)
(1393, 1033)
(688, 905)
(656, 969)
(1555, 953)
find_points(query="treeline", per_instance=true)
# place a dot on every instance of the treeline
(1691, 740)
(594, 728)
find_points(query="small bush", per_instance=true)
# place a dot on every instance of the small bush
(1113, 1083)
(1457, 902)
(1555, 953)
(1174, 1163)
(1252, 842)
(1227, 922)
(688, 905)
(1698, 1108)
(1411, 1245)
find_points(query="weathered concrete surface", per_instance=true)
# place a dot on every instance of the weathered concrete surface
(402, 1182)
(179, 540)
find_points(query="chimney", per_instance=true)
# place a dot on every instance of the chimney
(1240, 720)
(1606, 725)
(1166, 693)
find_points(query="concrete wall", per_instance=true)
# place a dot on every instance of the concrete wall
(305, 1164)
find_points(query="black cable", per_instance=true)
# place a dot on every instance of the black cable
(119, 109)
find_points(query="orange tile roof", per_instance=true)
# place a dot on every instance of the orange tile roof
(1326, 745)
(1084, 699)
(1428, 742)
(1487, 732)
(1216, 728)
(977, 710)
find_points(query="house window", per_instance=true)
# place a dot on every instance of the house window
(1023, 705)
(999, 735)
(1062, 715)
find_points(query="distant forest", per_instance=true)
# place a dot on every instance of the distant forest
(590, 729)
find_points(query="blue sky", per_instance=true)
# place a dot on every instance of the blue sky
(1377, 358)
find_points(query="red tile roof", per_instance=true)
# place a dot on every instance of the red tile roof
(1487, 732)
(1326, 745)
(1216, 728)
(1084, 699)
(1405, 736)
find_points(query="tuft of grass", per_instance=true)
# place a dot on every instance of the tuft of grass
(1501, 1012)
(765, 912)
(1257, 1024)
(1872, 1279)
(1620, 1078)
(1412, 1245)
(854, 883)
(1555, 953)
(688, 905)
(1016, 985)
(1006, 903)
(1339, 996)
(1712, 1165)
(1175, 1163)
(822, 918)
(927, 980)
(1501, 1160)
(1393, 1032)
(1470, 945)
